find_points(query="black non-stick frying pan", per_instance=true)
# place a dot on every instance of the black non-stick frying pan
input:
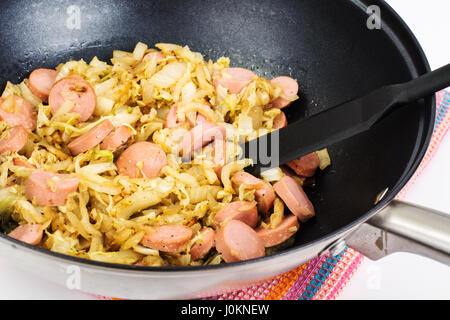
(328, 46)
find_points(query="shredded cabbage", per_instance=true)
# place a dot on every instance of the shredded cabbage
(109, 214)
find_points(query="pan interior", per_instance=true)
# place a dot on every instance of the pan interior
(326, 45)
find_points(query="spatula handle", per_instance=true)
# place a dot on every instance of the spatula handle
(425, 85)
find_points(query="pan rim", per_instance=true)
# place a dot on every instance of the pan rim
(407, 174)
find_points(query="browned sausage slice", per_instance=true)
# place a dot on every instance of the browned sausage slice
(200, 248)
(234, 79)
(14, 140)
(280, 121)
(91, 138)
(41, 82)
(290, 90)
(117, 138)
(168, 238)
(50, 189)
(236, 241)
(141, 158)
(305, 166)
(263, 191)
(294, 198)
(17, 111)
(28, 233)
(286, 229)
(238, 210)
(77, 90)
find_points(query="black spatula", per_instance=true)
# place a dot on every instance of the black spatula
(339, 122)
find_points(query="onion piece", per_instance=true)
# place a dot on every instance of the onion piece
(139, 51)
(324, 158)
(168, 75)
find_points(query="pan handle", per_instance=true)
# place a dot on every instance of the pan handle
(404, 227)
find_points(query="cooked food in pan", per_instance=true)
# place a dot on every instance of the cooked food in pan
(138, 161)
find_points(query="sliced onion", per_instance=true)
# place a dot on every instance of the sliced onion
(139, 51)
(324, 158)
(168, 75)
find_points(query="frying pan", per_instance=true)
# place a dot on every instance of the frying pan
(334, 51)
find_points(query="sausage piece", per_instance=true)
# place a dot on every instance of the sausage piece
(41, 82)
(290, 90)
(294, 198)
(77, 90)
(220, 150)
(14, 140)
(28, 233)
(305, 166)
(23, 163)
(264, 194)
(50, 189)
(201, 247)
(91, 138)
(171, 118)
(238, 210)
(18, 112)
(286, 229)
(236, 241)
(234, 79)
(288, 171)
(115, 139)
(203, 133)
(141, 158)
(168, 238)
(280, 121)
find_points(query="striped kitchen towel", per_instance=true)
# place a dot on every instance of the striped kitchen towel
(324, 277)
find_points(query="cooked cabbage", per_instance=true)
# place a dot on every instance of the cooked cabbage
(109, 214)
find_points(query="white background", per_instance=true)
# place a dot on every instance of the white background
(399, 276)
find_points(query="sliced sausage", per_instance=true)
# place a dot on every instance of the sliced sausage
(141, 158)
(238, 210)
(236, 241)
(28, 233)
(14, 140)
(201, 247)
(200, 119)
(220, 150)
(50, 189)
(234, 79)
(41, 82)
(91, 138)
(305, 166)
(286, 229)
(115, 139)
(290, 89)
(171, 118)
(168, 238)
(76, 90)
(280, 121)
(23, 163)
(294, 198)
(199, 136)
(152, 54)
(288, 171)
(18, 112)
(264, 194)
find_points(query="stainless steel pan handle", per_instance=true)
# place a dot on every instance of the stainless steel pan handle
(404, 227)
